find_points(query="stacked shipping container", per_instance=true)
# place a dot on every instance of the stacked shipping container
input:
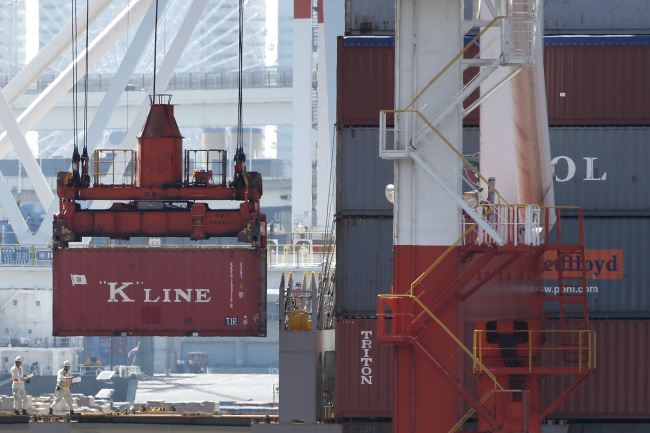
(599, 168)
(599, 165)
(600, 127)
(364, 233)
(590, 81)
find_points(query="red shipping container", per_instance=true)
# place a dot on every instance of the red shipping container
(159, 291)
(364, 371)
(618, 390)
(366, 82)
(597, 85)
(585, 85)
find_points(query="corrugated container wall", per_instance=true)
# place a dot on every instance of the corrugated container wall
(601, 169)
(597, 84)
(159, 291)
(618, 275)
(618, 390)
(364, 371)
(365, 80)
(590, 81)
(365, 18)
(364, 264)
(596, 16)
(361, 175)
(560, 16)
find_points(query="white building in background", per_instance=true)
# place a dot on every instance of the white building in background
(19, 34)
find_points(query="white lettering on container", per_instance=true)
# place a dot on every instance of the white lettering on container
(153, 296)
(366, 360)
(119, 290)
(571, 168)
(146, 296)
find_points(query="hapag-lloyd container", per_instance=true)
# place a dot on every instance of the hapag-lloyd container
(617, 268)
(159, 291)
(364, 371)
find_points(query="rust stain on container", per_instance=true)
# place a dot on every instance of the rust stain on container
(364, 371)
(159, 291)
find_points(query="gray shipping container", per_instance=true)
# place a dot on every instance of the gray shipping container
(364, 264)
(601, 169)
(369, 17)
(361, 175)
(377, 17)
(618, 275)
(596, 16)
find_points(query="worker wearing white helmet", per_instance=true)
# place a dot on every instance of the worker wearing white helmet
(18, 379)
(63, 384)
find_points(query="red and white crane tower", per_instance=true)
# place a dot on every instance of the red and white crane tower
(465, 316)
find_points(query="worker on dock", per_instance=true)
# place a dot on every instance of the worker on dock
(18, 380)
(63, 384)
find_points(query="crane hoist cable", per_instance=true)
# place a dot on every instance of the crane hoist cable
(75, 153)
(240, 156)
(85, 178)
(79, 161)
(155, 48)
(326, 285)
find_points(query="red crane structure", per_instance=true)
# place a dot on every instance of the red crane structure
(466, 314)
(167, 195)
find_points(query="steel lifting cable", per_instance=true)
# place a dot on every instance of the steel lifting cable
(86, 80)
(240, 129)
(75, 154)
(155, 51)
(240, 157)
(326, 284)
(84, 156)
(128, 27)
(73, 27)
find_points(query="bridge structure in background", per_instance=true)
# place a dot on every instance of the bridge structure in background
(34, 100)
(202, 100)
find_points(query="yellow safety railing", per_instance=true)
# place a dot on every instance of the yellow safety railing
(483, 399)
(111, 166)
(477, 363)
(450, 146)
(460, 344)
(412, 109)
(549, 216)
(585, 348)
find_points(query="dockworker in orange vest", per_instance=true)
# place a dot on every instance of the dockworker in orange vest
(18, 380)
(63, 384)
